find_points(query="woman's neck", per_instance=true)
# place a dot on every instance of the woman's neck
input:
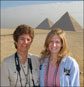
(23, 56)
(53, 60)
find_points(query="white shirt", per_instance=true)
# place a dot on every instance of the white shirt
(10, 76)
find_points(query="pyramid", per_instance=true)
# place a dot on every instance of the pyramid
(67, 23)
(45, 24)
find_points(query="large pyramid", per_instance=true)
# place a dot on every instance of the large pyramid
(45, 24)
(67, 23)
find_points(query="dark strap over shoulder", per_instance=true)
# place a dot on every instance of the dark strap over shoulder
(30, 64)
(17, 62)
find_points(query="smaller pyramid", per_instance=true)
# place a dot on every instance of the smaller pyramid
(67, 23)
(45, 24)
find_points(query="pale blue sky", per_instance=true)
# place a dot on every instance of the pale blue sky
(33, 13)
(6, 4)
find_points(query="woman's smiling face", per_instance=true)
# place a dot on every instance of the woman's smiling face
(55, 44)
(23, 43)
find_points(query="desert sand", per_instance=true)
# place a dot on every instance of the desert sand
(74, 39)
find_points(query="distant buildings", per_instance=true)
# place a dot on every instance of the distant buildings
(45, 24)
(66, 22)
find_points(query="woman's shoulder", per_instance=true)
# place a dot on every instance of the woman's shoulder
(33, 55)
(8, 60)
(70, 60)
(35, 59)
(43, 62)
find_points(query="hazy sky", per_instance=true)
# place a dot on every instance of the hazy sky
(33, 13)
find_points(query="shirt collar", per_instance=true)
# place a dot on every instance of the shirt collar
(64, 59)
(28, 56)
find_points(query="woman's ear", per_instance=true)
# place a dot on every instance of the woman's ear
(15, 43)
(62, 46)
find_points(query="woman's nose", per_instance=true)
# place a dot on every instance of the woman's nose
(54, 44)
(26, 41)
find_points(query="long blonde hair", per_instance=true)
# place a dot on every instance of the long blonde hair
(64, 49)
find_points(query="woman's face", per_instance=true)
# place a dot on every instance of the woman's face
(24, 42)
(55, 44)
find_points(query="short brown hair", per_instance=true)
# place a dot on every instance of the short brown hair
(23, 29)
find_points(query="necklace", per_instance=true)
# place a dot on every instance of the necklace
(26, 74)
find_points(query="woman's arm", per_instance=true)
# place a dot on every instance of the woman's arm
(4, 75)
(74, 75)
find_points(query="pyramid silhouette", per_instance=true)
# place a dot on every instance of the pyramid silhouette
(67, 23)
(45, 24)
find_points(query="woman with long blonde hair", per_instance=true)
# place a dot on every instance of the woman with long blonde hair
(58, 68)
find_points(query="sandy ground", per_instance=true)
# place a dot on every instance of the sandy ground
(74, 39)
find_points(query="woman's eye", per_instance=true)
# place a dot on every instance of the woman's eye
(21, 38)
(51, 41)
(29, 40)
(57, 42)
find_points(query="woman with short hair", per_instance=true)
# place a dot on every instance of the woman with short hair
(21, 68)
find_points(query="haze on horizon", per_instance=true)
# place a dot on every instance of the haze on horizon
(34, 14)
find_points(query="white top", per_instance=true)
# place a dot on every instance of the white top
(10, 76)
